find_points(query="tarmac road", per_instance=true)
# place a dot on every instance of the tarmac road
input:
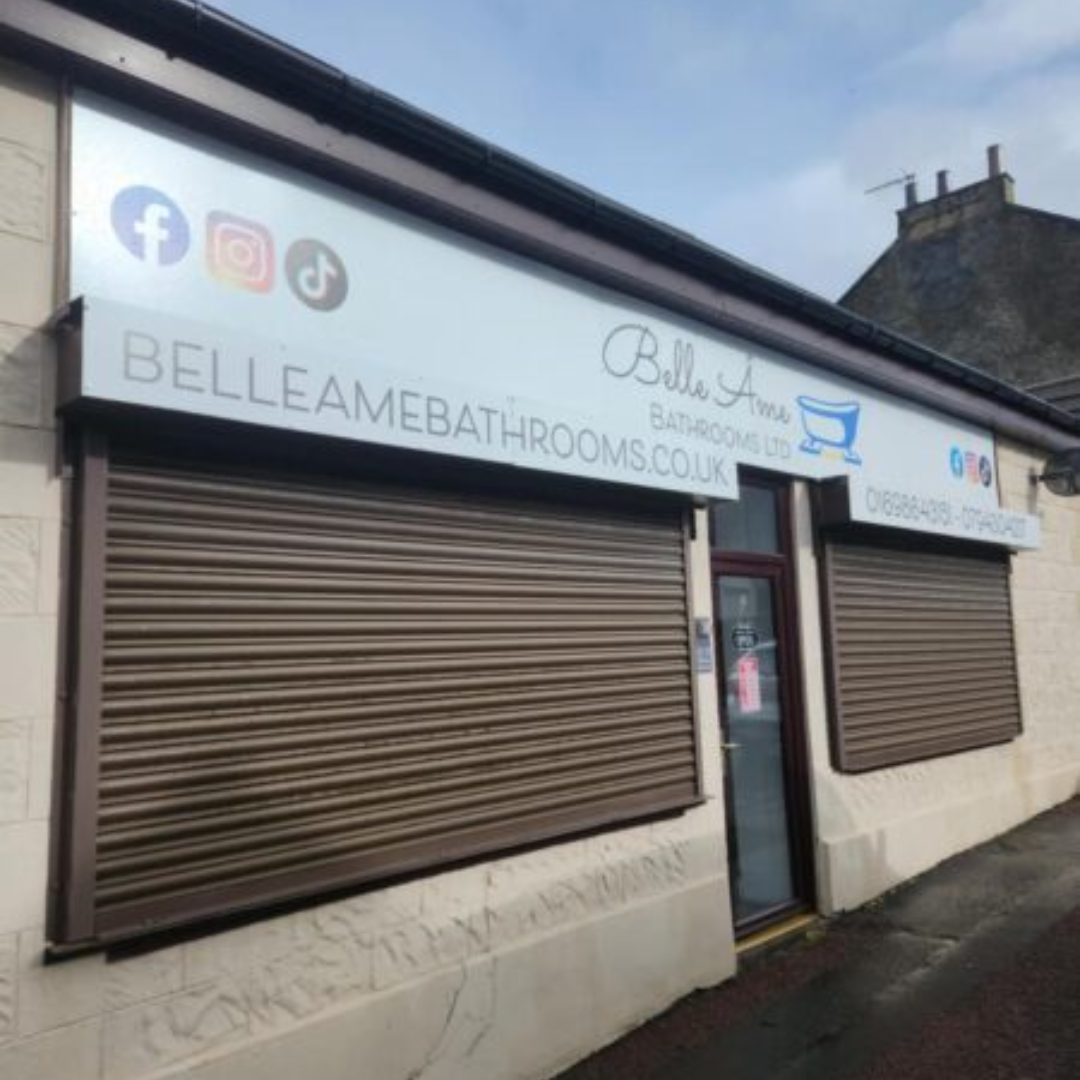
(971, 972)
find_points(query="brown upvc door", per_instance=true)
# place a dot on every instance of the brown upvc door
(762, 729)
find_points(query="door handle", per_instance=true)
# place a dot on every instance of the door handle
(730, 746)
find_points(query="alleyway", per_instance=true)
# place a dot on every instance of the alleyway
(971, 972)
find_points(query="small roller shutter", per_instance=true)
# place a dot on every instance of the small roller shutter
(922, 650)
(309, 684)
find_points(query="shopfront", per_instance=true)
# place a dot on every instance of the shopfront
(477, 615)
(372, 652)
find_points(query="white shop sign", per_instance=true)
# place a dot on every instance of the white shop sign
(223, 285)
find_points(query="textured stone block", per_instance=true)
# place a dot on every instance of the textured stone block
(554, 888)
(50, 365)
(427, 1030)
(548, 985)
(236, 952)
(22, 362)
(26, 280)
(49, 570)
(535, 1005)
(418, 948)
(451, 925)
(14, 769)
(39, 795)
(25, 206)
(653, 953)
(28, 100)
(319, 972)
(134, 980)
(53, 995)
(627, 873)
(71, 1053)
(151, 1038)
(8, 963)
(19, 552)
(370, 913)
(24, 857)
(29, 486)
(27, 666)
(296, 966)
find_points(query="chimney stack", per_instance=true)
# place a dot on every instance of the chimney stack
(948, 208)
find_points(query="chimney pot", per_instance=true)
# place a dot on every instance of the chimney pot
(993, 159)
(942, 182)
(911, 193)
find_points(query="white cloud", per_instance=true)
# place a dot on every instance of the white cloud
(872, 18)
(999, 37)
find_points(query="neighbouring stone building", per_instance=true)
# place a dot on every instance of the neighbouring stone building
(978, 276)
(443, 611)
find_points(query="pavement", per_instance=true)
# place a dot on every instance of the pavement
(969, 972)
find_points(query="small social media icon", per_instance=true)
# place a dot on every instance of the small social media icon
(986, 472)
(971, 461)
(150, 225)
(956, 462)
(316, 274)
(239, 252)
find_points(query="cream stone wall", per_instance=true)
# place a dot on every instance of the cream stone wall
(512, 968)
(877, 829)
(29, 517)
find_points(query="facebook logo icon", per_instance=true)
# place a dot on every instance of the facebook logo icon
(150, 225)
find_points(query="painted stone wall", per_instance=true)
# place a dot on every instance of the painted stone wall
(877, 829)
(29, 523)
(512, 968)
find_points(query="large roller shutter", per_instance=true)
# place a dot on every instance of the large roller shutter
(308, 684)
(922, 651)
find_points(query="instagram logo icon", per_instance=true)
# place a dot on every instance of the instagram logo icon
(239, 252)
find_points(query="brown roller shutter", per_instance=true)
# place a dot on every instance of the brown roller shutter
(922, 651)
(310, 683)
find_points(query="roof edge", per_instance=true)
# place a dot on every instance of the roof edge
(243, 54)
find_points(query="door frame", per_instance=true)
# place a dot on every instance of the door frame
(781, 570)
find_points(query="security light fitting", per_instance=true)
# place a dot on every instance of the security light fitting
(1061, 473)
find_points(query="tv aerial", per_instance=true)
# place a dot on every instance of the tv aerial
(904, 178)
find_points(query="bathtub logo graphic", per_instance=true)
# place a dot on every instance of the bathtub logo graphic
(831, 428)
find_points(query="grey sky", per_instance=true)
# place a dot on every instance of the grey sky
(756, 126)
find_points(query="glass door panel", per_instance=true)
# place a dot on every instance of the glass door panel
(753, 729)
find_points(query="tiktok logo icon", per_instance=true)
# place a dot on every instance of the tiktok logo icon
(150, 225)
(316, 275)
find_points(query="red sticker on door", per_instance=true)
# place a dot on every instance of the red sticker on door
(749, 685)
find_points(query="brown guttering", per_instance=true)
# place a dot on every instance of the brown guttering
(201, 67)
